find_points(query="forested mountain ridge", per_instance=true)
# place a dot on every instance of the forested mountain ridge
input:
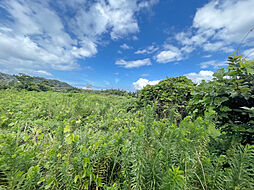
(6, 78)
(23, 81)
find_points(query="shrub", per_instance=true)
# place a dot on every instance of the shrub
(171, 95)
(231, 96)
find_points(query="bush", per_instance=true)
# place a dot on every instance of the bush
(171, 95)
(231, 96)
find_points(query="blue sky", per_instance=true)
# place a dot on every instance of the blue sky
(124, 44)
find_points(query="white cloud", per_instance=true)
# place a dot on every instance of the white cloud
(229, 19)
(45, 73)
(147, 4)
(187, 39)
(29, 42)
(202, 75)
(114, 16)
(207, 56)
(220, 25)
(170, 54)
(125, 46)
(149, 50)
(141, 83)
(133, 64)
(167, 56)
(202, 39)
(135, 38)
(187, 49)
(213, 63)
(217, 46)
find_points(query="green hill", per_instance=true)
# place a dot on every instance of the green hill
(6, 78)
(23, 81)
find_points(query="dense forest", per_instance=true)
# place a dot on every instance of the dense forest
(173, 135)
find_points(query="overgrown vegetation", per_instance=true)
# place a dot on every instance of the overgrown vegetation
(174, 135)
(231, 95)
(171, 97)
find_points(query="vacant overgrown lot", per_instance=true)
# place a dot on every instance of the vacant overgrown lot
(52, 140)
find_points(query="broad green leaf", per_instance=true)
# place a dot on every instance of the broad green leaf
(67, 129)
(69, 138)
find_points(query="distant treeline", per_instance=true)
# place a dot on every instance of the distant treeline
(30, 83)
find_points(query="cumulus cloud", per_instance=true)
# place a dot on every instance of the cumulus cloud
(220, 17)
(202, 75)
(213, 63)
(28, 41)
(220, 25)
(141, 83)
(133, 64)
(188, 39)
(170, 54)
